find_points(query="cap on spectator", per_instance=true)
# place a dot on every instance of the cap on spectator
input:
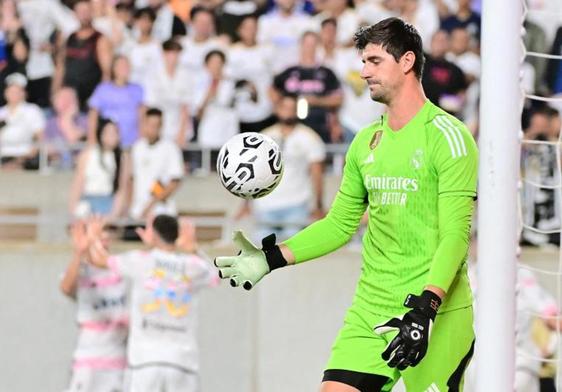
(16, 79)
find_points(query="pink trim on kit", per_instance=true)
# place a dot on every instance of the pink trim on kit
(102, 326)
(100, 363)
(105, 281)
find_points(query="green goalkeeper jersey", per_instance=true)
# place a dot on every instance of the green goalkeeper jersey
(404, 178)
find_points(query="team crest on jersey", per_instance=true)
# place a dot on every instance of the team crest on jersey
(417, 159)
(375, 140)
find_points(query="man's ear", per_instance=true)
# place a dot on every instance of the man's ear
(407, 61)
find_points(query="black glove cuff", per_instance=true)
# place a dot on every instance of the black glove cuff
(427, 303)
(272, 252)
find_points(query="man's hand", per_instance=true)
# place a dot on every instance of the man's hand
(252, 263)
(414, 329)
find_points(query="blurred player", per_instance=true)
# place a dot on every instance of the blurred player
(162, 349)
(100, 354)
(415, 172)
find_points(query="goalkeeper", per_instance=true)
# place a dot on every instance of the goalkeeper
(415, 172)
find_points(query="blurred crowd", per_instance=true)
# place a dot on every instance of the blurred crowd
(109, 86)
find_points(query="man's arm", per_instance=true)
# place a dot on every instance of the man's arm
(104, 53)
(331, 101)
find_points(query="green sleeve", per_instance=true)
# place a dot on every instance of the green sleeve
(455, 216)
(341, 222)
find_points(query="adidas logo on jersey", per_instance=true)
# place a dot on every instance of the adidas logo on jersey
(369, 159)
(432, 388)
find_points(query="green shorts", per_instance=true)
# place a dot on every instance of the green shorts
(358, 348)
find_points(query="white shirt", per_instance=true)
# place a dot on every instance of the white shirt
(372, 12)
(283, 34)
(102, 316)
(169, 93)
(143, 57)
(162, 28)
(22, 124)
(468, 62)
(40, 18)
(98, 177)
(358, 109)
(348, 23)
(162, 162)
(220, 120)
(252, 64)
(193, 54)
(426, 21)
(299, 149)
(163, 310)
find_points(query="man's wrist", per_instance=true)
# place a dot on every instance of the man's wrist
(273, 254)
(427, 303)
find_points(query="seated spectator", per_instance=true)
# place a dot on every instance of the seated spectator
(66, 127)
(21, 126)
(119, 101)
(465, 17)
(213, 103)
(299, 196)
(554, 66)
(157, 169)
(143, 51)
(201, 40)
(85, 58)
(444, 83)
(317, 86)
(170, 89)
(249, 64)
(282, 29)
(100, 177)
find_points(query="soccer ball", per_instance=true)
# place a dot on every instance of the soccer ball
(249, 165)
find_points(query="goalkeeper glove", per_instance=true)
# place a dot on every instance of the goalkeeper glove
(414, 329)
(252, 263)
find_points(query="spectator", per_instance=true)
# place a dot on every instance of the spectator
(99, 358)
(299, 196)
(465, 17)
(249, 65)
(372, 12)
(540, 166)
(534, 40)
(16, 60)
(144, 51)
(170, 89)
(347, 20)
(444, 83)
(200, 41)
(214, 104)
(318, 87)
(107, 21)
(43, 20)
(100, 178)
(469, 62)
(358, 109)
(231, 13)
(157, 169)
(66, 127)
(21, 126)
(283, 29)
(554, 67)
(167, 25)
(423, 15)
(119, 101)
(86, 57)
(162, 349)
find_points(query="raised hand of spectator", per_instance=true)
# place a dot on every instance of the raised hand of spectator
(187, 239)
(80, 240)
(94, 228)
(147, 234)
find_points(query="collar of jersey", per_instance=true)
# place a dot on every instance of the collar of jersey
(414, 123)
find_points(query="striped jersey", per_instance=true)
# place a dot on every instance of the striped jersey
(402, 174)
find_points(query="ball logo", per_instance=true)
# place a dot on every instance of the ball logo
(415, 334)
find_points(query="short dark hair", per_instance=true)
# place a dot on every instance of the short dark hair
(215, 52)
(328, 21)
(396, 37)
(124, 7)
(167, 228)
(171, 45)
(145, 11)
(153, 112)
(200, 9)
